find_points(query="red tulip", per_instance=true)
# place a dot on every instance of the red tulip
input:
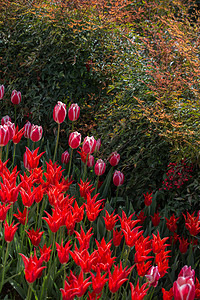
(18, 135)
(74, 140)
(3, 211)
(9, 231)
(22, 216)
(118, 178)
(65, 157)
(183, 245)
(89, 145)
(63, 252)
(1, 91)
(114, 158)
(99, 167)
(74, 112)
(117, 237)
(110, 220)
(36, 133)
(59, 112)
(4, 135)
(45, 253)
(16, 97)
(139, 292)
(33, 269)
(35, 236)
(148, 199)
(155, 219)
(5, 119)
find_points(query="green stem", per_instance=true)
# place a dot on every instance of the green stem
(1, 148)
(129, 249)
(97, 184)
(4, 266)
(54, 157)
(36, 216)
(15, 113)
(70, 162)
(29, 292)
(41, 212)
(26, 221)
(13, 156)
(85, 168)
(7, 147)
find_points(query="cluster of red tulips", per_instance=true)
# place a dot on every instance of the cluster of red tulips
(74, 245)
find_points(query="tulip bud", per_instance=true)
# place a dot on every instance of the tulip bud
(118, 178)
(90, 162)
(99, 167)
(16, 97)
(27, 130)
(36, 133)
(65, 157)
(4, 135)
(1, 92)
(74, 112)
(153, 276)
(74, 140)
(59, 112)
(114, 158)
(5, 119)
(89, 145)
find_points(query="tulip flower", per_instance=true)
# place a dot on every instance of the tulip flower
(153, 276)
(183, 246)
(89, 145)
(27, 129)
(192, 223)
(110, 220)
(171, 223)
(33, 269)
(148, 199)
(99, 167)
(35, 236)
(9, 231)
(114, 158)
(118, 277)
(16, 97)
(2, 89)
(22, 216)
(117, 237)
(155, 219)
(4, 135)
(45, 253)
(36, 133)
(74, 112)
(74, 140)
(3, 211)
(59, 112)
(98, 281)
(90, 162)
(5, 119)
(31, 159)
(85, 188)
(75, 286)
(137, 292)
(118, 178)
(63, 252)
(65, 157)
(184, 288)
(11, 129)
